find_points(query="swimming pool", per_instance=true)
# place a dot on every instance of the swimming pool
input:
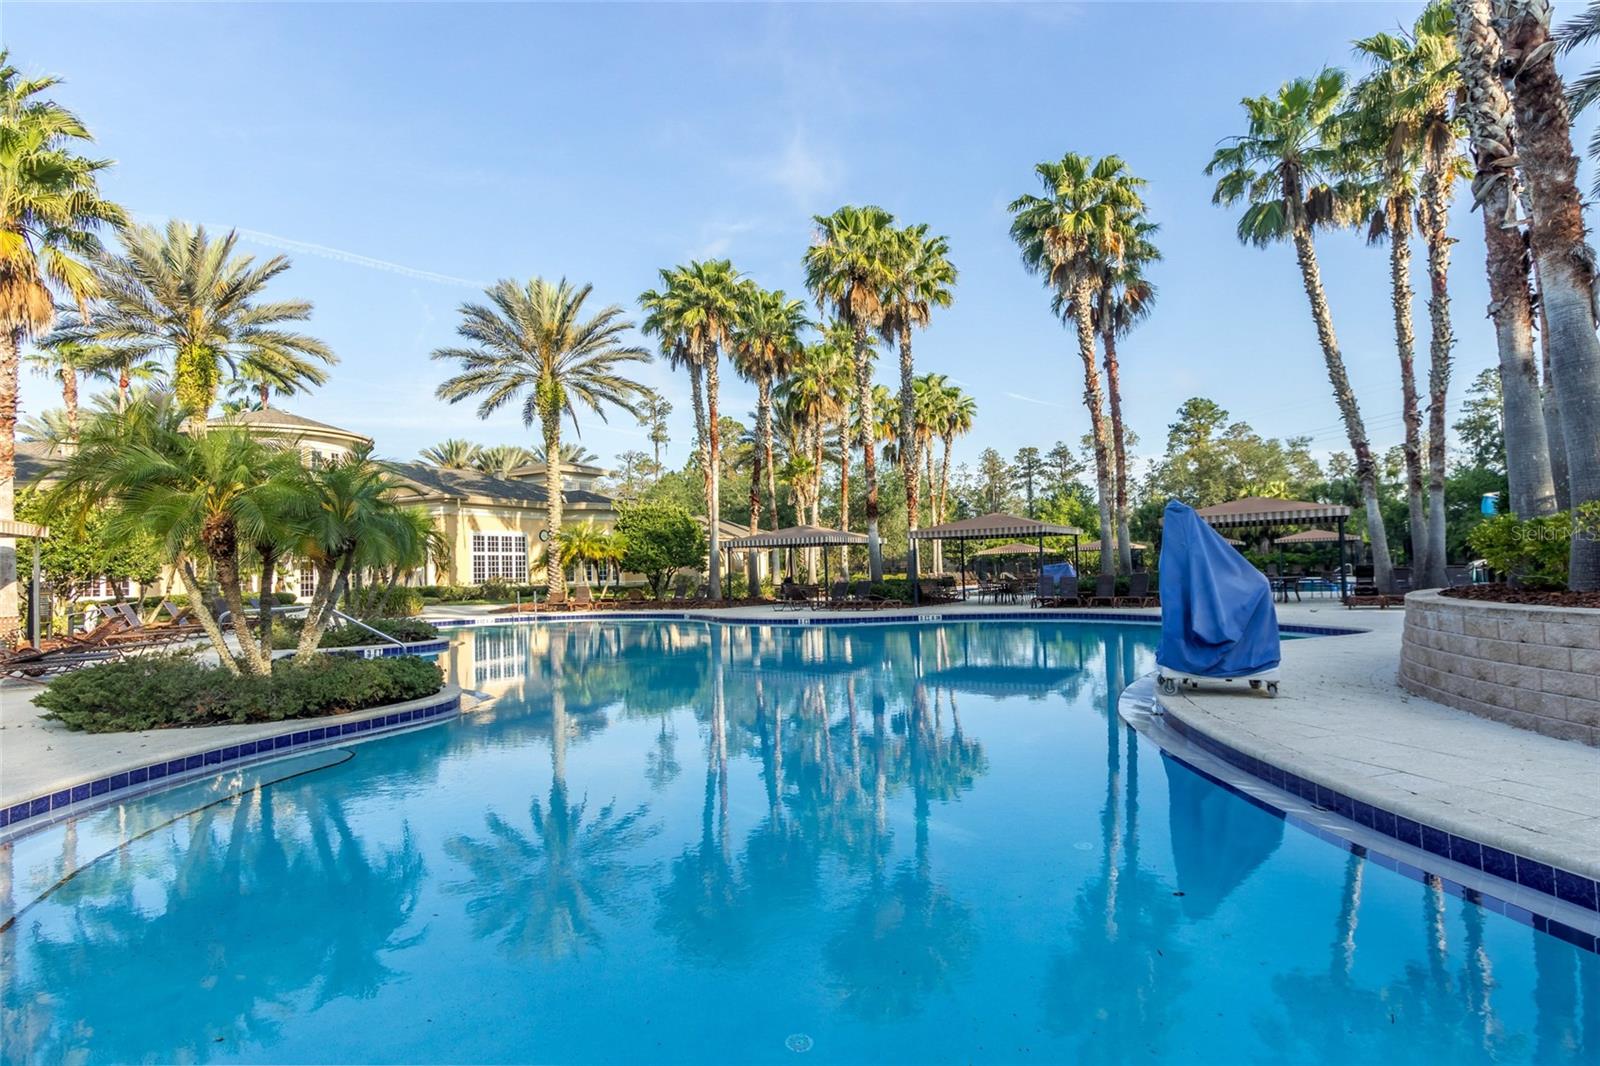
(675, 841)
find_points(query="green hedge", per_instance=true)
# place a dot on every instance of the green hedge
(286, 633)
(163, 691)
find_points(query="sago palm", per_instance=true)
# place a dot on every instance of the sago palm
(1287, 169)
(50, 210)
(848, 270)
(535, 343)
(1070, 236)
(1530, 459)
(922, 278)
(180, 294)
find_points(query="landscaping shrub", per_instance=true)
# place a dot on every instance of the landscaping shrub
(381, 602)
(1531, 553)
(165, 691)
(286, 634)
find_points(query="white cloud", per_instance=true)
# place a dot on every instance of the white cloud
(804, 170)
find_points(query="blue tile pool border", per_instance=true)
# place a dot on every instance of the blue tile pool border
(1533, 874)
(302, 734)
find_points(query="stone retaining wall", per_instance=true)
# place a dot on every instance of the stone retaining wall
(1536, 668)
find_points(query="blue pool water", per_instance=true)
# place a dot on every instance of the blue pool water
(672, 841)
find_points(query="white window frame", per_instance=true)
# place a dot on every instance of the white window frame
(500, 557)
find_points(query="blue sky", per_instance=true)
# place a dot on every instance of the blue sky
(406, 154)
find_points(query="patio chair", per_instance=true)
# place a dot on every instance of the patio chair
(33, 665)
(1067, 593)
(581, 596)
(703, 594)
(1138, 591)
(1105, 591)
(936, 594)
(1049, 592)
(680, 591)
(634, 595)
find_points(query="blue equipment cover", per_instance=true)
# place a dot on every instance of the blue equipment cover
(1217, 618)
(1058, 570)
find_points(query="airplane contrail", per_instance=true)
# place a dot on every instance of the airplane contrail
(338, 255)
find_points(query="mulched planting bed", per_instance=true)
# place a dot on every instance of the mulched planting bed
(1526, 597)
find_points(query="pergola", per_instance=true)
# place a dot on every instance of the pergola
(10, 527)
(800, 537)
(988, 527)
(1260, 512)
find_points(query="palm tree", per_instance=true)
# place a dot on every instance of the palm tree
(693, 314)
(931, 393)
(499, 460)
(810, 397)
(1286, 168)
(960, 412)
(1071, 236)
(350, 523)
(64, 354)
(50, 208)
(207, 495)
(766, 343)
(1383, 131)
(1564, 265)
(921, 279)
(569, 455)
(1123, 299)
(1410, 94)
(533, 340)
(849, 269)
(1487, 110)
(582, 546)
(181, 294)
(452, 454)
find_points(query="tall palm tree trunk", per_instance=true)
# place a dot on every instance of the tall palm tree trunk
(1095, 402)
(1487, 109)
(869, 451)
(69, 400)
(10, 361)
(713, 474)
(764, 423)
(1555, 437)
(844, 484)
(910, 443)
(1119, 448)
(949, 441)
(1566, 266)
(752, 565)
(1398, 221)
(1434, 219)
(698, 398)
(1349, 410)
(555, 579)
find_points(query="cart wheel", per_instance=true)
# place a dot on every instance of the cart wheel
(1169, 686)
(1272, 689)
(1255, 684)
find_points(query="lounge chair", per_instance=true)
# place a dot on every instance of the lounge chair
(580, 597)
(1105, 591)
(878, 599)
(1067, 594)
(33, 665)
(1048, 593)
(634, 595)
(1138, 591)
(860, 594)
(936, 594)
(839, 594)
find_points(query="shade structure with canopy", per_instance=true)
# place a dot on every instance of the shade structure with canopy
(800, 537)
(990, 527)
(1264, 512)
